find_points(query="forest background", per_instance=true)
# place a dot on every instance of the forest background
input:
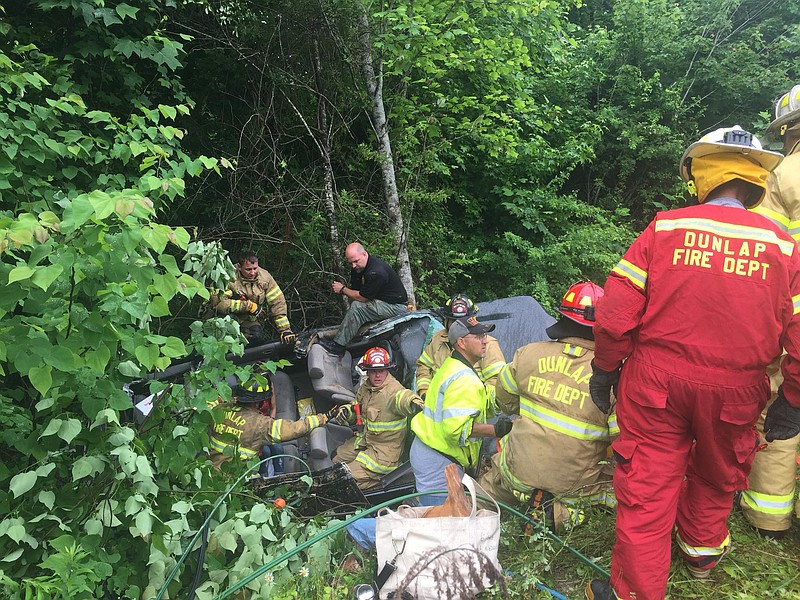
(490, 147)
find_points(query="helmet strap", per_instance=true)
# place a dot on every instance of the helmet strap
(690, 185)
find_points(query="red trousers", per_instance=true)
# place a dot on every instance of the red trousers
(673, 427)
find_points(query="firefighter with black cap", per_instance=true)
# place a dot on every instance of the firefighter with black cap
(454, 418)
(771, 496)
(384, 406)
(439, 349)
(553, 460)
(694, 312)
(244, 429)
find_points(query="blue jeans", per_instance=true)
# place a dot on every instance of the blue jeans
(428, 466)
(277, 463)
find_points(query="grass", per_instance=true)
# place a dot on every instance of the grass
(757, 568)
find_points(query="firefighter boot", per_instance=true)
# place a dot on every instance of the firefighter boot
(541, 510)
(599, 590)
(700, 567)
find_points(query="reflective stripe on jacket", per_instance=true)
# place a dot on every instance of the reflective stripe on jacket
(263, 290)
(455, 400)
(562, 437)
(439, 350)
(245, 429)
(710, 265)
(385, 411)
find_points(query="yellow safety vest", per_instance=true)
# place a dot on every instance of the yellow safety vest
(455, 400)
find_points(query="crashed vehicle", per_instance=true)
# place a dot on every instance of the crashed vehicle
(316, 381)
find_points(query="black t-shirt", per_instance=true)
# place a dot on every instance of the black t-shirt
(378, 281)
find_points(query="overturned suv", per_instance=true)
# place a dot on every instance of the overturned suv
(316, 381)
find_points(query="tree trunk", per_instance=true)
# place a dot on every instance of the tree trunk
(374, 84)
(324, 144)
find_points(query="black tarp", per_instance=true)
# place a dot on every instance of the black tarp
(518, 321)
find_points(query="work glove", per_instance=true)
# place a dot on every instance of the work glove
(417, 404)
(288, 337)
(600, 384)
(244, 306)
(782, 421)
(503, 426)
(342, 415)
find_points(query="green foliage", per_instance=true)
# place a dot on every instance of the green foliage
(91, 501)
(64, 131)
(655, 75)
(209, 261)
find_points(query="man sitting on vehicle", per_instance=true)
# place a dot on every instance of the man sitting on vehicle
(551, 462)
(244, 429)
(245, 298)
(488, 367)
(375, 291)
(382, 404)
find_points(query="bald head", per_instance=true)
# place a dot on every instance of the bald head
(356, 256)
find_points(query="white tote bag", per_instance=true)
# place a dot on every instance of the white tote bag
(447, 556)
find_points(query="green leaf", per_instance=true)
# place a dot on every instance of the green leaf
(105, 416)
(155, 238)
(174, 348)
(121, 437)
(97, 360)
(93, 527)
(77, 213)
(45, 276)
(69, 429)
(227, 541)
(147, 355)
(81, 468)
(126, 10)
(158, 307)
(168, 111)
(102, 204)
(45, 470)
(166, 285)
(13, 556)
(47, 498)
(22, 483)
(87, 465)
(62, 358)
(44, 403)
(69, 172)
(259, 514)
(16, 532)
(20, 273)
(143, 466)
(52, 427)
(179, 430)
(41, 378)
(129, 369)
(144, 522)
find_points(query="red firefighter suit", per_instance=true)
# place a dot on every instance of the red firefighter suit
(699, 305)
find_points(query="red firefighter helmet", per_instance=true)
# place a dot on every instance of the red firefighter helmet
(579, 302)
(459, 306)
(375, 359)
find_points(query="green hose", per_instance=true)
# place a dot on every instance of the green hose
(333, 529)
(227, 493)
